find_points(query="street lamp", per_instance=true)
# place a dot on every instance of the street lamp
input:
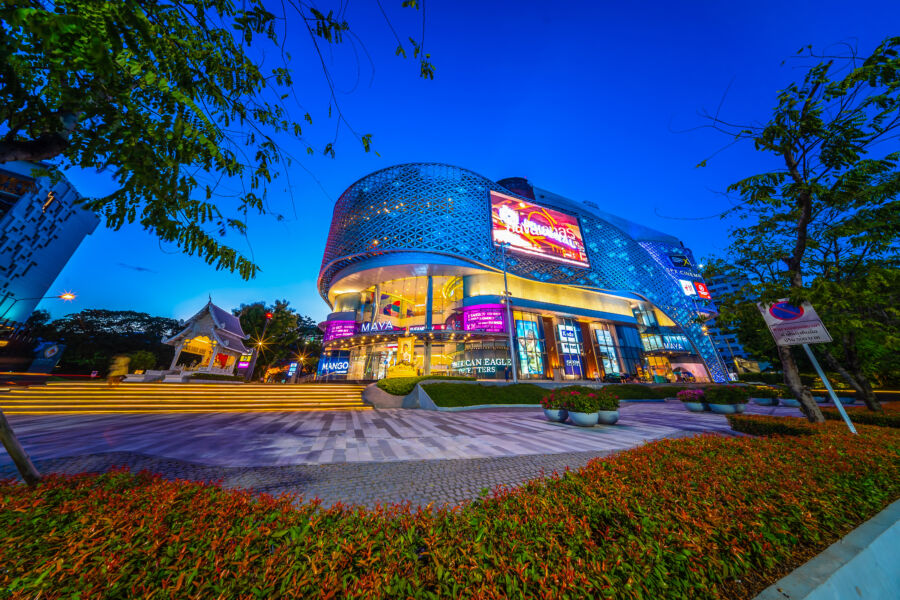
(259, 346)
(66, 296)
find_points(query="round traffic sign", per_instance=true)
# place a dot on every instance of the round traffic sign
(785, 311)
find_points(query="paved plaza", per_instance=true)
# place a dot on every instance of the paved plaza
(354, 457)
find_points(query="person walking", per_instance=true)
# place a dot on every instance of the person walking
(118, 369)
(506, 372)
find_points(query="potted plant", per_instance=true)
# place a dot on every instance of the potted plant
(785, 397)
(554, 407)
(583, 407)
(692, 399)
(726, 399)
(764, 395)
(608, 406)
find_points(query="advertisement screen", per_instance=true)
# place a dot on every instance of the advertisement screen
(533, 229)
(702, 290)
(687, 287)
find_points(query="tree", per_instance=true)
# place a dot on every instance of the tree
(94, 336)
(172, 97)
(142, 360)
(835, 183)
(281, 332)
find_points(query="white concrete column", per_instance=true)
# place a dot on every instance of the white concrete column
(177, 354)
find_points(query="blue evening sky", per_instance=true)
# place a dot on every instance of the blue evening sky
(588, 99)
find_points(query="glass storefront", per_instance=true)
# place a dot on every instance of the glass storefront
(433, 325)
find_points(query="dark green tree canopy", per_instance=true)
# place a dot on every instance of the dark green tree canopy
(167, 95)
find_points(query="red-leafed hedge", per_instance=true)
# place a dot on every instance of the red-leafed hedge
(707, 517)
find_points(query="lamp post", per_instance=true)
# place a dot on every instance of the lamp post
(509, 324)
(259, 346)
(67, 296)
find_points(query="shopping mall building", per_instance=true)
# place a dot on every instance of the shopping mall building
(414, 272)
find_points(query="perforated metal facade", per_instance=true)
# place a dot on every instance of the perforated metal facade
(442, 209)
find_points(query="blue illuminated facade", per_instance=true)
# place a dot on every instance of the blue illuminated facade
(415, 279)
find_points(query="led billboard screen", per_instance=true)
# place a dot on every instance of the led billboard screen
(536, 230)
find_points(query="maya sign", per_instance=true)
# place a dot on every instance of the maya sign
(794, 325)
(533, 229)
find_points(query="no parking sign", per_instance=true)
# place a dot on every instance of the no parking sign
(793, 325)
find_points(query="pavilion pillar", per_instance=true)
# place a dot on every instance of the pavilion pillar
(212, 357)
(177, 354)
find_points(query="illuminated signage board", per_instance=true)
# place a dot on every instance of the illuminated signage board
(480, 365)
(536, 230)
(687, 287)
(702, 290)
(334, 365)
(484, 317)
(339, 329)
(680, 261)
(244, 361)
(379, 327)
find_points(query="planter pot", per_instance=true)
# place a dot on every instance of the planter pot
(820, 399)
(739, 408)
(608, 417)
(694, 406)
(557, 415)
(792, 402)
(846, 400)
(765, 401)
(584, 419)
(705, 406)
(723, 409)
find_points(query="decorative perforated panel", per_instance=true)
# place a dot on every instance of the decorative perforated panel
(443, 209)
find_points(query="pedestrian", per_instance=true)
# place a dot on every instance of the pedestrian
(118, 369)
(506, 372)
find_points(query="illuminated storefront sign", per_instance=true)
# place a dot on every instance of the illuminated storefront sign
(292, 368)
(334, 365)
(339, 329)
(379, 327)
(484, 317)
(676, 342)
(702, 290)
(244, 361)
(680, 261)
(480, 365)
(533, 229)
(687, 287)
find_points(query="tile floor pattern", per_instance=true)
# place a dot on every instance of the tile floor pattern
(352, 457)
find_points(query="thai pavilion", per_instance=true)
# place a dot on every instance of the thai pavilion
(212, 341)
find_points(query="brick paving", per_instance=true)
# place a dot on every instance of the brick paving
(357, 458)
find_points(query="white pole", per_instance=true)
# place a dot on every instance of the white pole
(824, 379)
(509, 324)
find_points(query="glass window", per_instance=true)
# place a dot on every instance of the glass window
(606, 349)
(529, 345)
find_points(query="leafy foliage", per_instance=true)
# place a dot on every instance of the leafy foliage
(285, 336)
(726, 394)
(173, 98)
(93, 336)
(889, 417)
(824, 226)
(767, 426)
(142, 360)
(705, 517)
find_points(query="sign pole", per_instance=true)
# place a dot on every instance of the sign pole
(824, 379)
(509, 324)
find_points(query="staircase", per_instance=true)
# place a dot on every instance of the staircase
(92, 398)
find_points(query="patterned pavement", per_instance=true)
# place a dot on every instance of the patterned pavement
(352, 457)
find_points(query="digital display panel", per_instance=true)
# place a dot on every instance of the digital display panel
(532, 229)
(680, 261)
(484, 317)
(339, 329)
(702, 290)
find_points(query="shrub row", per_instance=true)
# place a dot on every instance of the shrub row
(401, 386)
(216, 377)
(705, 517)
(766, 426)
(887, 418)
(455, 394)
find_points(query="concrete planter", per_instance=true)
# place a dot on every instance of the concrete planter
(723, 409)
(694, 406)
(765, 401)
(846, 400)
(739, 408)
(557, 415)
(608, 417)
(820, 399)
(792, 402)
(584, 419)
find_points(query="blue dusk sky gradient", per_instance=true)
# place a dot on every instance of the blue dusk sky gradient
(592, 100)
